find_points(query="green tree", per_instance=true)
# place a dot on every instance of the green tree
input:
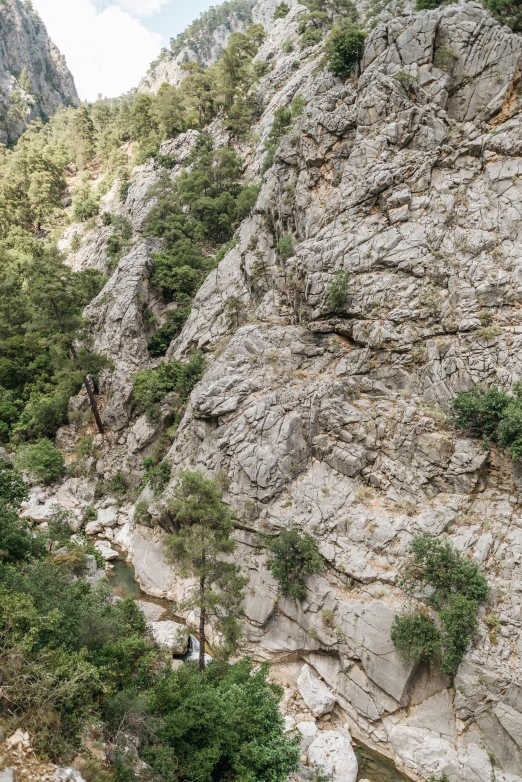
(295, 557)
(84, 136)
(204, 527)
(42, 460)
(281, 10)
(344, 48)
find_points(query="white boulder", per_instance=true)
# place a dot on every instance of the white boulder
(332, 753)
(105, 550)
(315, 694)
(307, 729)
(171, 635)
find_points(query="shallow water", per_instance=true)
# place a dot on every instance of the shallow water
(372, 766)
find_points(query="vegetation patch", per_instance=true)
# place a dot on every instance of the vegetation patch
(493, 415)
(295, 557)
(455, 587)
(152, 385)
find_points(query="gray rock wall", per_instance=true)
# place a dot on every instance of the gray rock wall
(25, 45)
(408, 178)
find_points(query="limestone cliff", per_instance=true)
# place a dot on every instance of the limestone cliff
(410, 179)
(34, 77)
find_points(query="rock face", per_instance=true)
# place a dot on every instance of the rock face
(204, 41)
(409, 179)
(34, 77)
(332, 752)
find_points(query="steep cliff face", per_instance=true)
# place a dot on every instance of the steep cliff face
(34, 77)
(204, 40)
(408, 178)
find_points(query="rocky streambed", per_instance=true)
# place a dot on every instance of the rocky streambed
(185, 646)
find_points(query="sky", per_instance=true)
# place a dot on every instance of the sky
(109, 44)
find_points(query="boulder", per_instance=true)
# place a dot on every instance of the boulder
(315, 694)
(170, 635)
(105, 550)
(67, 775)
(7, 775)
(332, 752)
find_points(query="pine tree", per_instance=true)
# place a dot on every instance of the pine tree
(204, 527)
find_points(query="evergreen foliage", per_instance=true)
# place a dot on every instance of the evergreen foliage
(152, 385)
(339, 290)
(344, 48)
(493, 415)
(281, 10)
(203, 537)
(295, 557)
(507, 12)
(456, 588)
(42, 460)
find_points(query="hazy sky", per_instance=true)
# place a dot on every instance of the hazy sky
(109, 44)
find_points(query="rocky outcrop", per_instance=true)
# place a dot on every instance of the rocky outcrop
(34, 77)
(204, 41)
(408, 179)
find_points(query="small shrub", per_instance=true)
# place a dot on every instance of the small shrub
(295, 557)
(152, 385)
(124, 191)
(444, 56)
(106, 219)
(285, 247)
(157, 475)
(43, 461)
(339, 289)
(91, 514)
(261, 68)
(493, 415)
(310, 37)
(118, 484)
(428, 5)
(281, 10)
(76, 243)
(85, 208)
(406, 79)
(507, 12)
(328, 617)
(298, 105)
(287, 46)
(416, 637)
(344, 48)
(159, 343)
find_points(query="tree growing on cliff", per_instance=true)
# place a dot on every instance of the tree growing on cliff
(203, 536)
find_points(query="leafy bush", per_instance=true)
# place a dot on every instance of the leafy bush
(344, 48)
(457, 587)
(222, 723)
(159, 343)
(157, 474)
(287, 46)
(507, 12)
(281, 10)
(416, 637)
(13, 488)
(339, 289)
(311, 37)
(295, 557)
(152, 385)
(428, 5)
(43, 461)
(285, 247)
(85, 208)
(493, 415)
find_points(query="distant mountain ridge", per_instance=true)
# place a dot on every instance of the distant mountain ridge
(34, 77)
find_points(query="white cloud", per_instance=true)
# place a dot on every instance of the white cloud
(108, 51)
(142, 7)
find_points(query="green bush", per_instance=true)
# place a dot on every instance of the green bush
(159, 343)
(339, 290)
(491, 414)
(85, 208)
(311, 37)
(13, 488)
(157, 474)
(43, 461)
(416, 637)
(287, 46)
(281, 10)
(457, 587)
(428, 5)
(152, 385)
(507, 12)
(344, 48)
(295, 557)
(285, 247)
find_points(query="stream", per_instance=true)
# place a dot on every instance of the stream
(372, 766)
